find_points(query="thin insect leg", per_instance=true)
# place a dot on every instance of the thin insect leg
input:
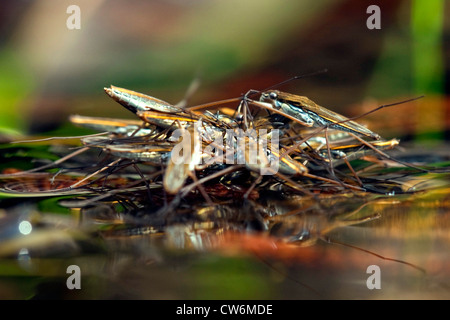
(245, 115)
(349, 119)
(164, 190)
(127, 188)
(292, 183)
(296, 186)
(368, 168)
(60, 138)
(47, 166)
(201, 189)
(237, 113)
(103, 163)
(337, 181)
(329, 157)
(126, 204)
(329, 153)
(353, 171)
(214, 104)
(299, 143)
(311, 149)
(328, 240)
(96, 172)
(222, 172)
(149, 194)
(388, 156)
(304, 140)
(248, 114)
(193, 86)
(257, 180)
(212, 156)
(52, 179)
(110, 170)
(269, 106)
(162, 133)
(256, 113)
(380, 107)
(306, 156)
(342, 184)
(137, 130)
(105, 176)
(163, 212)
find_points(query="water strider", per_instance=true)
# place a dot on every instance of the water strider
(326, 164)
(311, 114)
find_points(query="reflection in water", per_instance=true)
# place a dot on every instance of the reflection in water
(275, 248)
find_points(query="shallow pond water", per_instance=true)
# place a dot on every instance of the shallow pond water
(355, 245)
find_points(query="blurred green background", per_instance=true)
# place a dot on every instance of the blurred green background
(158, 47)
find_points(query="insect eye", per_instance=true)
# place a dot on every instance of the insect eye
(273, 95)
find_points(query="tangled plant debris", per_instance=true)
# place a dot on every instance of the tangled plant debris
(233, 165)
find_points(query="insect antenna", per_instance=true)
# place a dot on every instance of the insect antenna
(295, 78)
(252, 92)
